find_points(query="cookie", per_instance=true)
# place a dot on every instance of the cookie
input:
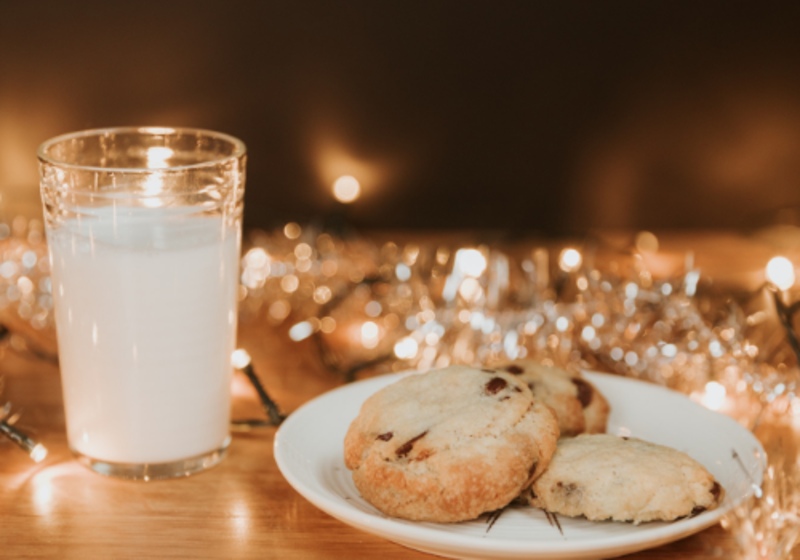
(449, 444)
(603, 476)
(580, 407)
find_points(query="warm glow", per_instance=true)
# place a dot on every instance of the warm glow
(373, 309)
(292, 230)
(289, 283)
(156, 130)
(38, 453)
(303, 251)
(153, 186)
(370, 334)
(714, 396)
(646, 242)
(327, 325)
(346, 189)
(470, 289)
(780, 271)
(256, 258)
(329, 267)
(470, 262)
(322, 295)
(279, 310)
(301, 331)
(157, 157)
(403, 272)
(333, 159)
(406, 348)
(240, 358)
(569, 260)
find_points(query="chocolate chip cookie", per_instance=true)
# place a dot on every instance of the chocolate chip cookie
(603, 476)
(449, 444)
(580, 407)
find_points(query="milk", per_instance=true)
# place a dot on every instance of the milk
(146, 318)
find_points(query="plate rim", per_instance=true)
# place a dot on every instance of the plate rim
(432, 538)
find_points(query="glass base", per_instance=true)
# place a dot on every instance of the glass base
(155, 471)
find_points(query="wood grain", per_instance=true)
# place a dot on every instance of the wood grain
(242, 508)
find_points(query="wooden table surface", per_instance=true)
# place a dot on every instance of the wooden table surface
(243, 508)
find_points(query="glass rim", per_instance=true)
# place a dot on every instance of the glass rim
(239, 148)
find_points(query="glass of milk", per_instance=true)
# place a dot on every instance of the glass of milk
(144, 231)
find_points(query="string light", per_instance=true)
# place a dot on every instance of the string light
(470, 262)
(292, 230)
(714, 395)
(240, 358)
(370, 334)
(346, 189)
(384, 307)
(780, 271)
(406, 348)
(569, 260)
(439, 304)
(398, 306)
(35, 450)
(301, 331)
(646, 242)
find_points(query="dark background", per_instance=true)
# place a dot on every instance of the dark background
(554, 117)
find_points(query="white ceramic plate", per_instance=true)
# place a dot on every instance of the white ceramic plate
(308, 450)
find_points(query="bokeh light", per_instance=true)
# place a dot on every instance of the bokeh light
(780, 271)
(346, 189)
(570, 260)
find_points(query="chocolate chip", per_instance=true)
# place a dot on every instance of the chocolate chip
(495, 385)
(515, 369)
(567, 488)
(584, 391)
(424, 454)
(697, 510)
(716, 490)
(406, 448)
(385, 437)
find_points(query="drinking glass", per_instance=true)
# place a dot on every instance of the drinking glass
(144, 231)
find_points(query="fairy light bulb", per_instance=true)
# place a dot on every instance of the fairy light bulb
(470, 262)
(714, 396)
(406, 348)
(346, 189)
(370, 334)
(38, 453)
(240, 359)
(570, 260)
(35, 450)
(780, 271)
